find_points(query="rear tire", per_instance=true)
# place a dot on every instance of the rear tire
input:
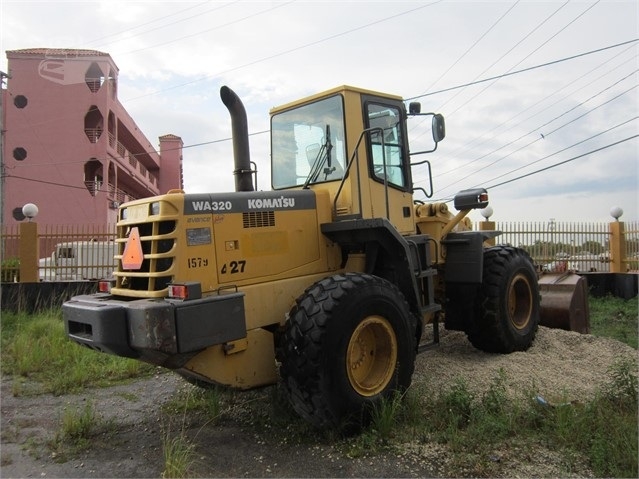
(507, 308)
(348, 343)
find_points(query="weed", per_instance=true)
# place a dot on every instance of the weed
(208, 401)
(495, 400)
(127, 396)
(623, 383)
(456, 404)
(364, 444)
(78, 425)
(385, 414)
(179, 455)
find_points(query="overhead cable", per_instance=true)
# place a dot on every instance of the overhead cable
(535, 67)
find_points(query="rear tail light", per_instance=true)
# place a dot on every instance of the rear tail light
(104, 286)
(184, 291)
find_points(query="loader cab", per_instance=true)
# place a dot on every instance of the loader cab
(352, 143)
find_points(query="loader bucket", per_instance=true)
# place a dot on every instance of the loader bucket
(564, 302)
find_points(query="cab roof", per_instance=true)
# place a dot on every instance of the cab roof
(345, 89)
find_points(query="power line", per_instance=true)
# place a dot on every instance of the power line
(44, 182)
(255, 14)
(468, 50)
(173, 14)
(538, 26)
(562, 162)
(538, 128)
(512, 180)
(566, 149)
(535, 67)
(530, 54)
(290, 50)
(546, 98)
(538, 139)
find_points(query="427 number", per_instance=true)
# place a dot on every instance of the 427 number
(234, 267)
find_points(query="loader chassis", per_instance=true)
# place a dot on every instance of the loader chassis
(325, 283)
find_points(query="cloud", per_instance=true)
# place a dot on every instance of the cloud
(174, 56)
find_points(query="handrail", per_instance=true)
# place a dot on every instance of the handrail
(355, 156)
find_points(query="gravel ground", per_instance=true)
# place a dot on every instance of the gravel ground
(560, 365)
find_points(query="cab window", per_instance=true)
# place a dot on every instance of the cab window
(387, 151)
(307, 144)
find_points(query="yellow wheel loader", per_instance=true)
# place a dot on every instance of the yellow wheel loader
(325, 282)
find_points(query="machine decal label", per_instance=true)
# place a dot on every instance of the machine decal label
(245, 201)
(271, 203)
(234, 267)
(212, 205)
(201, 219)
(197, 262)
(198, 236)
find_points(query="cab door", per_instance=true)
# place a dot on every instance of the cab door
(389, 171)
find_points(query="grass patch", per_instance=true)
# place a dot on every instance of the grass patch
(79, 426)
(615, 318)
(178, 454)
(207, 401)
(602, 431)
(36, 347)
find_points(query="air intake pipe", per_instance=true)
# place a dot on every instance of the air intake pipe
(239, 126)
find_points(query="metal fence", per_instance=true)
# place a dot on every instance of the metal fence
(32, 253)
(581, 247)
(56, 252)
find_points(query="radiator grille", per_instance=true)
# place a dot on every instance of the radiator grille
(157, 239)
(258, 219)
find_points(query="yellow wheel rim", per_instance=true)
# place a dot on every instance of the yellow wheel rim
(520, 302)
(371, 356)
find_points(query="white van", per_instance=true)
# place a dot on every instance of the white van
(78, 261)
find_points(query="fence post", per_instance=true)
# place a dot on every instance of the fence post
(617, 247)
(487, 225)
(29, 252)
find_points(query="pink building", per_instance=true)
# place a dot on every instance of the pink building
(69, 145)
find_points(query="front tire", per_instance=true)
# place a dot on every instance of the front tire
(349, 342)
(507, 309)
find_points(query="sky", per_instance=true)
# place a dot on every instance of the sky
(540, 97)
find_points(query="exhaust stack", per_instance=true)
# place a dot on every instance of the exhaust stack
(239, 128)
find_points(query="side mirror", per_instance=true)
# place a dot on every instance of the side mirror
(439, 127)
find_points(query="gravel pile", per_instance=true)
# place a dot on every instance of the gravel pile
(560, 365)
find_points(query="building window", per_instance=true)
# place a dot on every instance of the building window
(20, 101)
(93, 178)
(93, 124)
(94, 77)
(19, 153)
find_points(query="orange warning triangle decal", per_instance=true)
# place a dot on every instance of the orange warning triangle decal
(133, 255)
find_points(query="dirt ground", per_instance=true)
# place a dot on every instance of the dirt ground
(560, 365)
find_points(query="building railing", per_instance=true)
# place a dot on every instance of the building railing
(32, 253)
(93, 134)
(119, 195)
(127, 157)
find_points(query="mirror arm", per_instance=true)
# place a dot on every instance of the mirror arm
(421, 153)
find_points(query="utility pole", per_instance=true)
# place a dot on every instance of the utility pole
(3, 75)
